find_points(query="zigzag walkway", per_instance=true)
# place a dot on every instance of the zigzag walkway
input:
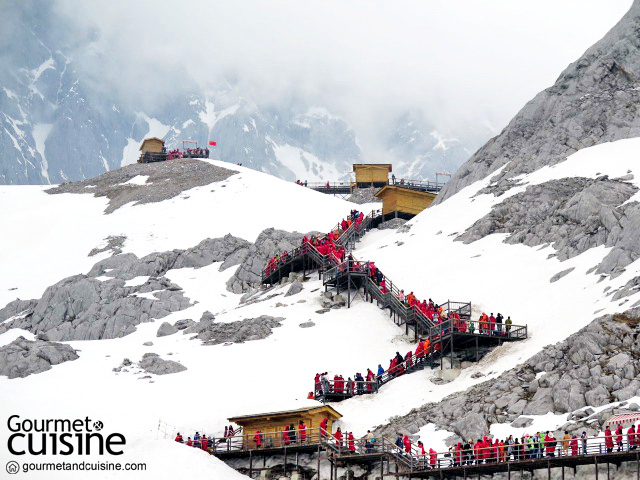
(458, 338)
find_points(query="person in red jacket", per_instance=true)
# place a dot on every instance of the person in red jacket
(478, 451)
(205, 443)
(352, 445)
(286, 440)
(433, 458)
(392, 366)
(408, 359)
(179, 437)
(258, 439)
(302, 430)
(189, 442)
(407, 444)
(324, 426)
(631, 436)
(371, 377)
(458, 455)
(338, 437)
(619, 438)
(420, 351)
(608, 440)
(550, 444)
(573, 444)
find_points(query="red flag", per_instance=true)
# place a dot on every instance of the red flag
(211, 142)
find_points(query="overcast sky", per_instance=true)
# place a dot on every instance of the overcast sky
(461, 60)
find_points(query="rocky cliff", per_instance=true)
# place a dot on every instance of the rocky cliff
(595, 100)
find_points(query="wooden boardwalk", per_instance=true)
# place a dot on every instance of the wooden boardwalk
(381, 453)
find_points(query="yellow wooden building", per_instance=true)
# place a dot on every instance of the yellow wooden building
(153, 145)
(396, 199)
(271, 424)
(372, 174)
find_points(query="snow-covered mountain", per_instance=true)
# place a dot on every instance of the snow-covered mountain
(58, 125)
(160, 259)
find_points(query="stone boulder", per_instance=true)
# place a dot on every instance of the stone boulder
(166, 329)
(185, 323)
(295, 288)
(23, 357)
(238, 332)
(152, 363)
(471, 426)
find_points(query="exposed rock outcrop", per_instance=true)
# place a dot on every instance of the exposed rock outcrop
(99, 305)
(166, 329)
(23, 357)
(269, 243)
(164, 180)
(153, 363)
(596, 366)
(573, 215)
(246, 330)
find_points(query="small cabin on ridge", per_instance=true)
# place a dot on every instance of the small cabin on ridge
(271, 424)
(403, 202)
(152, 150)
(372, 174)
(152, 144)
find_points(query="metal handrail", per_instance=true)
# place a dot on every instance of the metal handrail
(516, 453)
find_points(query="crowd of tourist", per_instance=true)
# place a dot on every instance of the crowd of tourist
(527, 447)
(188, 153)
(203, 441)
(326, 245)
(485, 450)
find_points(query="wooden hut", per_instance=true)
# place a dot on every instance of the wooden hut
(271, 424)
(152, 150)
(152, 145)
(403, 202)
(372, 174)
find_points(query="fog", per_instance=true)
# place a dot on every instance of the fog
(464, 62)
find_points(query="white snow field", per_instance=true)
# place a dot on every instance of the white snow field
(58, 231)
(51, 236)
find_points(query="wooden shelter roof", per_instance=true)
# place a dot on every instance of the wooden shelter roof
(387, 165)
(286, 413)
(150, 138)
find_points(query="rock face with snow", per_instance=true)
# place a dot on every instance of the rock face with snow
(595, 366)
(23, 357)
(241, 331)
(269, 243)
(162, 181)
(85, 307)
(595, 100)
(153, 363)
(573, 215)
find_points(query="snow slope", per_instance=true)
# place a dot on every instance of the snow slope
(49, 236)
(276, 373)
(511, 279)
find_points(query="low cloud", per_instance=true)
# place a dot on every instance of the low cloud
(463, 62)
